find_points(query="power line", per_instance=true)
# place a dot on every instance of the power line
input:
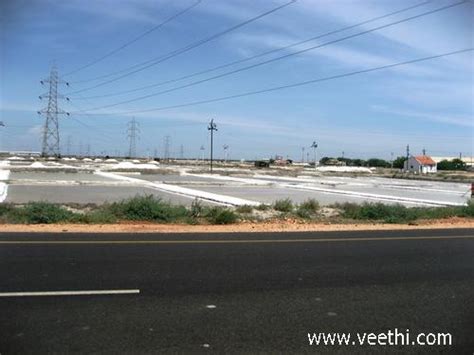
(288, 86)
(258, 55)
(123, 46)
(279, 58)
(152, 62)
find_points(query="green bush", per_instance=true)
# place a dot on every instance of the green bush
(311, 205)
(148, 208)
(262, 207)
(244, 209)
(469, 209)
(378, 212)
(197, 209)
(43, 212)
(284, 205)
(307, 209)
(220, 215)
(402, 214)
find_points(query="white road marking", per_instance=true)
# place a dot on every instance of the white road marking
(183, 191)
(210, 306)
(68, 293)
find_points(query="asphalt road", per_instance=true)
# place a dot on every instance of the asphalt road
(234, 293)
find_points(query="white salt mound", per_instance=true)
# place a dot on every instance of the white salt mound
(344, 169)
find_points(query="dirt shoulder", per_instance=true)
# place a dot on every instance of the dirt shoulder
(287, 226)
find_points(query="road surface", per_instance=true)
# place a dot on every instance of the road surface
(233, 293)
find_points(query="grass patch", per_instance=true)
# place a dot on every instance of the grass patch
(284, 205)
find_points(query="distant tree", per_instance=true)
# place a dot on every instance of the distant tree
(324, 160)
(458, 164)
(399, 162)
(378, 163)
(345, 160)
(358, 162)
(455, 164)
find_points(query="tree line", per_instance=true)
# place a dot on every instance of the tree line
(398, 163)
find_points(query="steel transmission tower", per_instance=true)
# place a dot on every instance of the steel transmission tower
(133, 131)
(50, 143)
(166, 146)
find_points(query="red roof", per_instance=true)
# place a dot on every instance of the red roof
(425, 160)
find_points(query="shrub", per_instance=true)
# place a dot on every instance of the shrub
(311, 205)
(284, 205)
(148, 208)
(43, 212)
(244, 209)
(220, 215)
(308, 208)
(262, 207)
(379, 212)
(197, 209)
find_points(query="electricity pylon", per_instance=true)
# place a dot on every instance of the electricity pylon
(133, 131)
(50, 144)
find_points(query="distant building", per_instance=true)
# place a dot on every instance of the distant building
(420, 164)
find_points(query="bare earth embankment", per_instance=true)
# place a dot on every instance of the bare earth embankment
(287, 226)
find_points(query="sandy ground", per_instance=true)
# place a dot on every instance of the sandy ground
(287, 226)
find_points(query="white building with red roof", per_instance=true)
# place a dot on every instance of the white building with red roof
(420, 164)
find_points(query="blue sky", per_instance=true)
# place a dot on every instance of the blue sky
(427, 105)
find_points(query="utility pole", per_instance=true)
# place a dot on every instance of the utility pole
(314, 146)
(181, 152)
(133, 131)
(166, 147)
(408, 155)
(391, 160)
(212, 127)
(226, 147)
(342, 154)
(302, 154)
(202, 152)
(50, 144)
